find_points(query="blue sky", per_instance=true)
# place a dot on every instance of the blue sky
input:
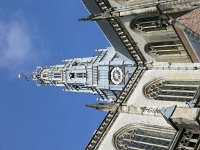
(41, 33)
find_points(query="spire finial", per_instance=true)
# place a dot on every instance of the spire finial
(96, 17)
(88, 18)
(23, 76)
(104, 106)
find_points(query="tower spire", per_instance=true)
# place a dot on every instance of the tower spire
(105, 74)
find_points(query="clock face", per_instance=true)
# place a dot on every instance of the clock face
(116, 75)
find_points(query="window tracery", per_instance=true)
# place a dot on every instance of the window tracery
(167, 48)
(144, 137)
(149, 24)
(171, 90)
(189, 140)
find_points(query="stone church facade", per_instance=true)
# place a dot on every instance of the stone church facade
(150, 75)
(158, 108)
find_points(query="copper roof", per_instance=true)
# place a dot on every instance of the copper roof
(191, 20)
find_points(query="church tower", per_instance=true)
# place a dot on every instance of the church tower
(151, 74)
(105, 74)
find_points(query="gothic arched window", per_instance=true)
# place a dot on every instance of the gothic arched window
(165, 48)
(189, 140)
(149, 24)
(171, 90)
(143, 137)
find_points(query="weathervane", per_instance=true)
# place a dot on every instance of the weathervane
(23, 76)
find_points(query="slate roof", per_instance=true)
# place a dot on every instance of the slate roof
(191, 20)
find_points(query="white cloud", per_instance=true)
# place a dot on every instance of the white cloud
(20, 45)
